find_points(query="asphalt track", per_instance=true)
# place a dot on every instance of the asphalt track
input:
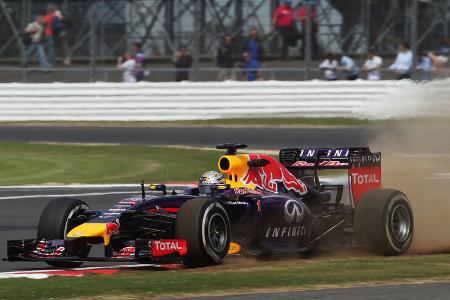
(255, 137)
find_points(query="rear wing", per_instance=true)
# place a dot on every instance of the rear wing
(364, 167)
(328, 158)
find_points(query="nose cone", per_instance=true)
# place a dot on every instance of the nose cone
(91, 230)
(94, 230)
(88, 230)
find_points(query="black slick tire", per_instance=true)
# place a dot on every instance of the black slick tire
(384, 221)
(53, 223)
(205, 226)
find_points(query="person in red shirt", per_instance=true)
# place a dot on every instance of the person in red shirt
(48, 35)
(284, 21)
(302, 18)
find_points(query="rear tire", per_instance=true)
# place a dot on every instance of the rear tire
(205, 226)
(54, 224)
(384, 221)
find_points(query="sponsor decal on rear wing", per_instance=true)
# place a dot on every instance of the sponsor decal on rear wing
(328, 158)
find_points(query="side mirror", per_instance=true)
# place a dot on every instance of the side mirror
(158, 187)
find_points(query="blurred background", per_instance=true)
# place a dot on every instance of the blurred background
(92, 34)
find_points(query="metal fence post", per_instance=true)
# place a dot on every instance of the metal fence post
(308, 40)
(169, 23)
(367, 14)
(238, 10)
(413, 31)
(446, 4)
(93, 41)
(197, 37)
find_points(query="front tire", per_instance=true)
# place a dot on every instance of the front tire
(54, 223)
(205, 226)
(384, 221)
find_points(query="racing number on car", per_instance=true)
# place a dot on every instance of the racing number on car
(258, 204)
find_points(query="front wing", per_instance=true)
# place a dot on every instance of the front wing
(55, 251)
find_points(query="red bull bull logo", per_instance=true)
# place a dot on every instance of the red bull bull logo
(268, 177)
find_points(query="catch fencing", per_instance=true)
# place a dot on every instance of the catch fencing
(169, 101)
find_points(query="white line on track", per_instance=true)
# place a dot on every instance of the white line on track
(64, 195)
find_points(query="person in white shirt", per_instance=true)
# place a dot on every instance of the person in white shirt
(329, 67)
(127, 64)
(372, 66)
(403, 62)
(35, 31)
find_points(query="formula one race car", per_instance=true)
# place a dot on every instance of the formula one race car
(256, 205)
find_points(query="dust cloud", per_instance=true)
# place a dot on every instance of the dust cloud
(416, 160)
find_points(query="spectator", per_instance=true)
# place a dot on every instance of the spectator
(425, 66)
(183, 61)
(51, 23)
(373, 65)
(440, 58)
(139, 58)
(283, 20)
(251, 68)
(403, 62)
(224, 58)
(35, 30)
(254, 46)
(329, 67)
(127, 64)
(60, 24)
(445, 47)
(302, 18)
(348, 66)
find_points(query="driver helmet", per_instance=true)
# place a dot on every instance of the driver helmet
(209, 179)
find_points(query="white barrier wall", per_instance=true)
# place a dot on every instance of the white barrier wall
(208, 100)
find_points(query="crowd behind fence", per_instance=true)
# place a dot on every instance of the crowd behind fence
(245, 32)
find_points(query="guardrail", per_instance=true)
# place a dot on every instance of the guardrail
(147, 101)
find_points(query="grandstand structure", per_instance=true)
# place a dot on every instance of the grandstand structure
(104, 29)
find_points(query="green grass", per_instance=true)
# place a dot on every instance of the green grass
(295, 274)
(29, 163)
(215, 122)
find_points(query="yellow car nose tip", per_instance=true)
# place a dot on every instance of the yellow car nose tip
(104, 230)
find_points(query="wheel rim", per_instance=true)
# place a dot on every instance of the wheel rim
(217, 232)
(400, 223)
(70, 216)
(82, 252)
